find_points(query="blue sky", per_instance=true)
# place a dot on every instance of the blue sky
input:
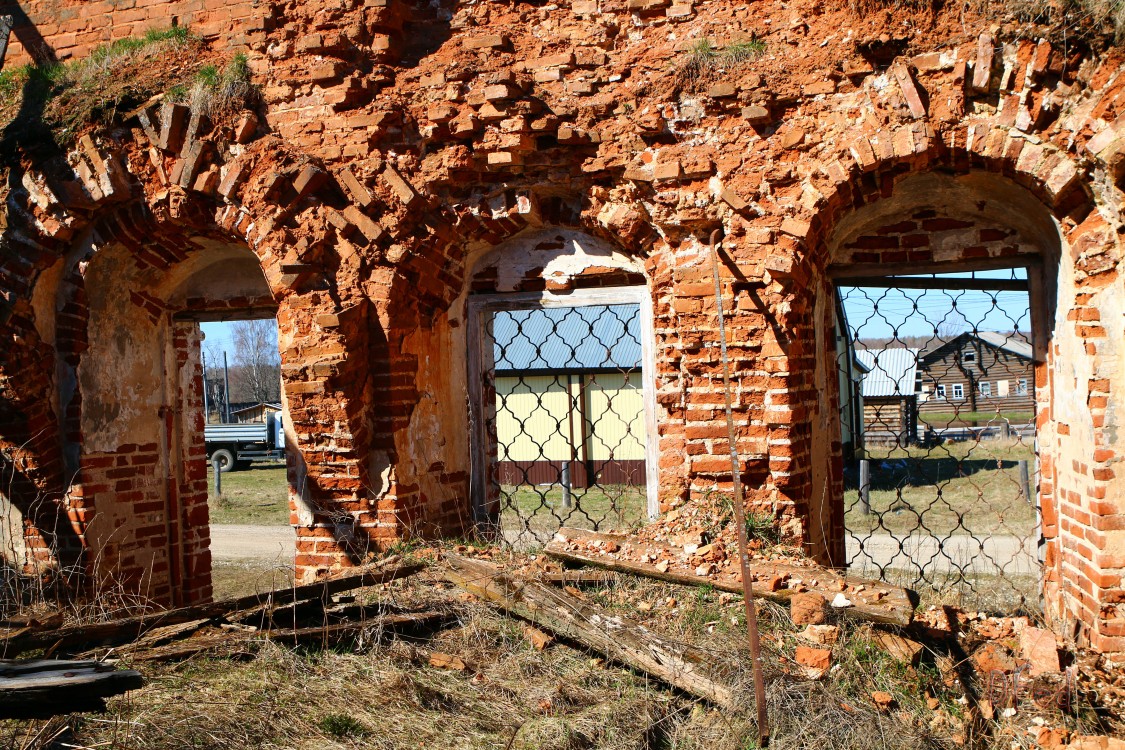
(218, 335)
(880, 313)
(872, 313)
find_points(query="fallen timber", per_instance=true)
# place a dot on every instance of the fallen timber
(41, 688)
(322, 634)
(870, 600)
(574, 619)
(128, 629)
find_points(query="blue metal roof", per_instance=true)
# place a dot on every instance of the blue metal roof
(891, 372)
(568, 338)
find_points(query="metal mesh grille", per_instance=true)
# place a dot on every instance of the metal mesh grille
(938, 415)
(565, 418)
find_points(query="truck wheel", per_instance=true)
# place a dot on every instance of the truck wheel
(224, 458)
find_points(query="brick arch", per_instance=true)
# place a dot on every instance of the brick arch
(419, 357)
(1081, 263)
(868, 173)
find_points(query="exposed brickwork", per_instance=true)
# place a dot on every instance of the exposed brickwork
(396, 146)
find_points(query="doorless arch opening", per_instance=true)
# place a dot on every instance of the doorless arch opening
(562, 408)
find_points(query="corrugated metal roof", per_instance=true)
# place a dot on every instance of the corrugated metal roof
(568, 338)
(892, 371)
(1009, 342)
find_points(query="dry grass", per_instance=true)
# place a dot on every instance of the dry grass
(380, 692)
(51, 104)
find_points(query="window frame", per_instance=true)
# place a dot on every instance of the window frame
(958, 391)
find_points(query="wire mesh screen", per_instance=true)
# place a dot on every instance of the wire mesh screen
(565, 418)
(938, 415)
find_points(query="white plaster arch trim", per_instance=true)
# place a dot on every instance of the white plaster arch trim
(555, 254)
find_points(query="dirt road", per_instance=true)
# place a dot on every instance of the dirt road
(242, 542)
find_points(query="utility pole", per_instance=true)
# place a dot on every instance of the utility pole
(226, 390)
(206, 407)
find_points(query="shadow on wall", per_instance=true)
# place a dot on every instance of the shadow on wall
(29, 119)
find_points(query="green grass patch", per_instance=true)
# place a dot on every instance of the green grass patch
(746, 49)
(967, 487)
(342, 726)
(530, 514)
(120, 47)
(704, 60)
(257, 496)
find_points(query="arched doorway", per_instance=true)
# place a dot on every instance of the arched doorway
(939, 304)
(132, 387)
(561, 388)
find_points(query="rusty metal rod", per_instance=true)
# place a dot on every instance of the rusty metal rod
(740, 514)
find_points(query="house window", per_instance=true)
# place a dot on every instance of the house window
(958, 390)
(985, 388)
(1021, 387)
(941, 391)
(1002, 388)
(968, 355)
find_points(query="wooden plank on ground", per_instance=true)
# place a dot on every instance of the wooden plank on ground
(130, 628)
(621, 640)
(46, 687)
(321, 633)
(871, 600)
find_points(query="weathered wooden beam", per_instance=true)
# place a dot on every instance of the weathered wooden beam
(45, 687)
(877, 601)
(940, 283)
(322, 633)
(619, 639)
(577, 577)
(130, 628)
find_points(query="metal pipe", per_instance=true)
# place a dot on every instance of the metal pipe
(865, 486)
(740, 514)
(218, 477)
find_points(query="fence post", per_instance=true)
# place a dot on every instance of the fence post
(865, 486)
(218, 477)
(567, 501)
(1025, 481)
(1005, 430)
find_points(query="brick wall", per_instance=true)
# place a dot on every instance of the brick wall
(393, 144)
(46, 29)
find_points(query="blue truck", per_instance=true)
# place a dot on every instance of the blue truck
(233, 447)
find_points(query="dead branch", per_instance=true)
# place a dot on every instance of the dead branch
(621, 640)
(128, 629)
